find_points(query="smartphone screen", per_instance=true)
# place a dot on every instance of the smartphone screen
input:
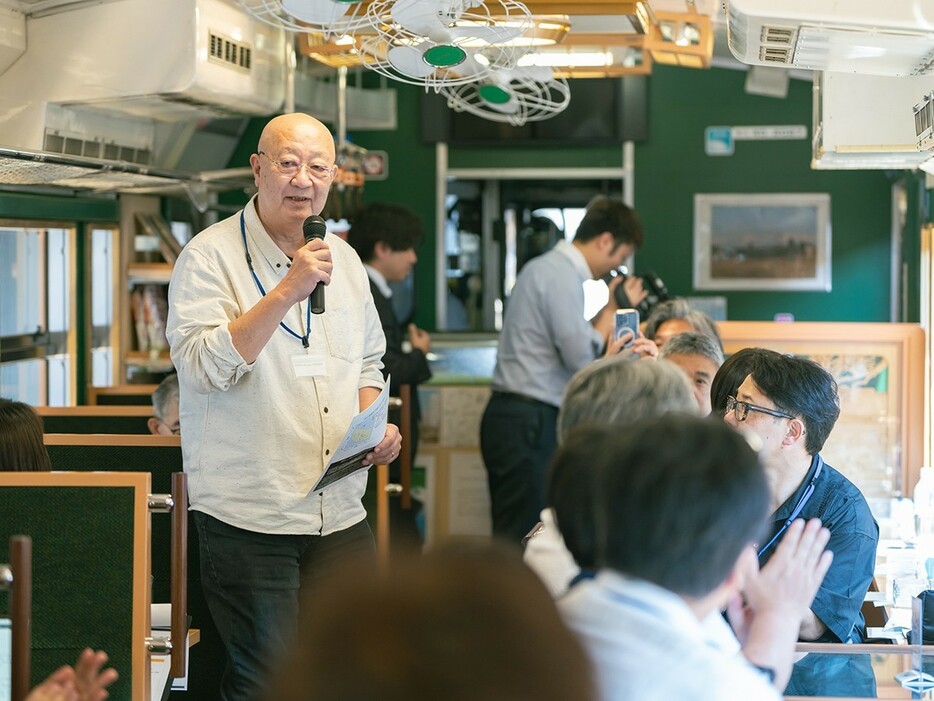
(626, 320)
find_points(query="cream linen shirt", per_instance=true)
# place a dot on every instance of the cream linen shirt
(255, 437)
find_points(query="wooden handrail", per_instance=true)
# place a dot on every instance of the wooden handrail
(382, 514)
(140, 390)
(96, 410)
(179, 568)
(111, 439)
(405, 455)
(21, 615)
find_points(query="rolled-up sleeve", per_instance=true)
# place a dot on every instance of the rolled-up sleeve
(201, 305)
(840, 597)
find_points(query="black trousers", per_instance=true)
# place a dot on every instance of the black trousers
(517, 440)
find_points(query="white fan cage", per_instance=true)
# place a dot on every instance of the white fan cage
(345, 17)
(454, 14)
(531, 99)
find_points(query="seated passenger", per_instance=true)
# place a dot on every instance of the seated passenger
(699, 357)
(22, 447)
(730, 376)
(675, 316)
(678, 502)
(791, 404)
(83, 682)
(613, 391)
(465, 623)
(164, 422)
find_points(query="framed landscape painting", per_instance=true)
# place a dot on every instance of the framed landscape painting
(762, 242)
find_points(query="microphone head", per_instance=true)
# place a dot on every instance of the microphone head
(314, 227)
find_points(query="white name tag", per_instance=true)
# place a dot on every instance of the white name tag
(309, 365)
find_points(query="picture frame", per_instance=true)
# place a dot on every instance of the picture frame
(762, 241)
(878, 441)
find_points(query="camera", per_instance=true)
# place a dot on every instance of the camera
(651, 283)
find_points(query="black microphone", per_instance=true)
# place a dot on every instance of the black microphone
(315, 228)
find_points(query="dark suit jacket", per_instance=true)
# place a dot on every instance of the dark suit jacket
(405, 368)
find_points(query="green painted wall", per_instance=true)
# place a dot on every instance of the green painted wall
(670, 168)
(411, 182)
(15, 205)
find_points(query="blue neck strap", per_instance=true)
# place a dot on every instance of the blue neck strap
(259, 286)
(799, 506)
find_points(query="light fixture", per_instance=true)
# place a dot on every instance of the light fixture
(541, 31)
(643, 18)
(594, 61)
(681, 39)
(567, 59)
(335, 53)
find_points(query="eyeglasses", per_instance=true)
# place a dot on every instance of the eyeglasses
(291, 168)
(742, 409)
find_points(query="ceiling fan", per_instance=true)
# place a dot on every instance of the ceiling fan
(443, 42)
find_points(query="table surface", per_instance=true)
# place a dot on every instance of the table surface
(828, 670)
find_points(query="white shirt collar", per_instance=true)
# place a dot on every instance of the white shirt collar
(378, 280)
(662, 604)
(576, 257)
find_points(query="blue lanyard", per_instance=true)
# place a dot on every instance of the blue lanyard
(799, 506)
(259, 286)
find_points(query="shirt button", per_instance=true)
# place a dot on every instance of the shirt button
(288, 265)
(327, 451)
(278, 265)
(325, 410)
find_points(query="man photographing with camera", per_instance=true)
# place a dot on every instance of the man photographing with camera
(545, 340)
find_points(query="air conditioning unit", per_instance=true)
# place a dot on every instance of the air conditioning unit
(894, 38)
(867, 121)
(100, 79)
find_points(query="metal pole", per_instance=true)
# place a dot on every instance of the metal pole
(341, 107)
(289, 74)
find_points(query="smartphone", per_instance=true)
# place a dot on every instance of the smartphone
(626, 320)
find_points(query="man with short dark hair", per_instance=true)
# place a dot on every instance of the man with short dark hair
(699, 356)
(791, 404)
(545, 340)
(385, 236)
(677, 502)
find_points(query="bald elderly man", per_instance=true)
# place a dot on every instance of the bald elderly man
(267, 393)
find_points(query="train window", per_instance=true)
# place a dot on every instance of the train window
(103, 261)
(36, 308)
